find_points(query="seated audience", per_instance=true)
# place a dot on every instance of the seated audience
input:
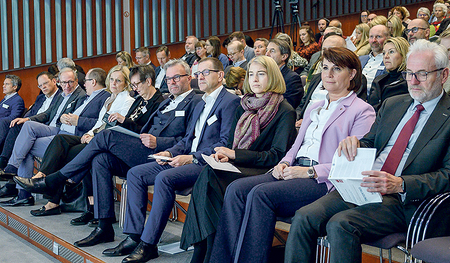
(234, 80)
(189, 46)
(251, 205)
(200, 52)
(439, 11)
(378, 20)
(362, 40)
(12, 105)
(424, 13)
(143, 57)
(321, 25)
(163, 56)
(417, 29)
(236, 54)
(363, 17)
(370, 17)
(295, 62)
(124, 58)
(213, 49)
(391, 83)
(263, 131)
(249, 52)
(260, 46)
(400, 12)
(307, 45)
(405, 134)
(396, 28)
(69, 63)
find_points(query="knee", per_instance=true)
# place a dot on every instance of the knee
(235, 191)
(306, 217)
(338, 223)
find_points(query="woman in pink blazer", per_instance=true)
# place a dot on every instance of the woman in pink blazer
(251, 205)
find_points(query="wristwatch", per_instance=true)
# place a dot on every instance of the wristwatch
(194, 160)
(311, 172)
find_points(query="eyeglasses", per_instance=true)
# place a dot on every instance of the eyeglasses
(64, 83)
(175, 78)
(205, 72)
(414, 29)
(231, 54)
(420, 75)
(135, 85)
(88, 80)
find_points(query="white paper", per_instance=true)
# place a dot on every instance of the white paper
(121, 129)
(347, 178)
(159, 157)
(219, 165)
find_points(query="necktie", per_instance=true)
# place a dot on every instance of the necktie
(396, 153)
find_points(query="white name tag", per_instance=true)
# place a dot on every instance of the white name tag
(211, 120)
(144, 110)
(70, 104)
(179, 113)
(5, 106)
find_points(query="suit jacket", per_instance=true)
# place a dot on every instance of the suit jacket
(381, 90)
(427, 169)
(365, 59)
(316, 56)
(242, 65)
(352, 116)
(175, 127)
(249, 53)
(189, 58)
(89, 115)
(216, 129)
(315, 80)
(12, 108)
(294, 88)
(47, 116)
(38, 104)
(273, 142)
(138, 123)
(163, 88)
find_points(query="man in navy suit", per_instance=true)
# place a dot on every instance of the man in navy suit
(35, 136)
(47, 84)
(163, 56)
(12, 105)
(143, 57)
(280, 51)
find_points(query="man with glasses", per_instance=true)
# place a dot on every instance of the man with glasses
(163, 56)
(143, 57)
(411, 137)
(417, 29)
(236, 54)
(38, 130)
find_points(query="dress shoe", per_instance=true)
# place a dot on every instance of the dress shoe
(16, 202)
(85, 218)
(143, 253)
(7, 191)
(124, 248)
(46, 212)
(34, 185)
(5, 175)
(96, 237)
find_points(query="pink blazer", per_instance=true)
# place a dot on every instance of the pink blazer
(353, 116)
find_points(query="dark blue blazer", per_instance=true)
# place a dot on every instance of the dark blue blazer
(89, 115)
(163, 88)
(216, 129)
(294, 88)
(47, 116)
(175, 127)
(12, 108)
(38, 104)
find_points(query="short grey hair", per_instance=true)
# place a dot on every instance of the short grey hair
(439, 51)
(68, 70)
(174, 62)
(65, 63)
(441, 5)
(423, 10)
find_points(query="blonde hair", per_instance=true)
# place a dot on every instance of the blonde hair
(125, 73)
(234, 76)
(397, 26)
(364, 29)
(378, 20)
(276, 81)
(125, 56)
(402, 47)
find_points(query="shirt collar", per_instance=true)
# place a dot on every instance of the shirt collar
(428, 105)
(337, 101)
(180, 97)
(213, 96)
(10, 95)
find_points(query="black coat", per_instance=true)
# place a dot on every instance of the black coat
(384, 87)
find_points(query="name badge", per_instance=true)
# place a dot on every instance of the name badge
(144, 110)
(211, 120)
(70, 104)
(5, 106)
(179, 113)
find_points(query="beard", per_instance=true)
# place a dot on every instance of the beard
(420, 94)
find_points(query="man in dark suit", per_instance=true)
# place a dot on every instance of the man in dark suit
(163, 55)
(236, 54)
(12, 105)
(280, 51)
(411, 137)
(143, 57)
(47, 84)
(34, 137)
(189, 46)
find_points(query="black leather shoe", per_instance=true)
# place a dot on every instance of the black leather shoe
(43, 212)
(124, 248)
(96, 237)
(8, 191)
(34, 185)
(85, 218)
(6, 175)
(143, 253)
(16, 202)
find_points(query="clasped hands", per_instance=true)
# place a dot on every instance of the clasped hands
(375, 181)
(222, 154)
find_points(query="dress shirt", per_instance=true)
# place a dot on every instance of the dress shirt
(319, 94)
(8, 96)
(371, 68)
(70, 128)
(237, 64)
(209, 103)
(47, 103)
(313, 136)
(174, 102)
(160, 78)
(423, 118)
(61, 108)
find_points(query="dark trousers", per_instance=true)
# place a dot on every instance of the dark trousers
(167, 180)
(346, 225)
(10, 138)
(249, 213)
